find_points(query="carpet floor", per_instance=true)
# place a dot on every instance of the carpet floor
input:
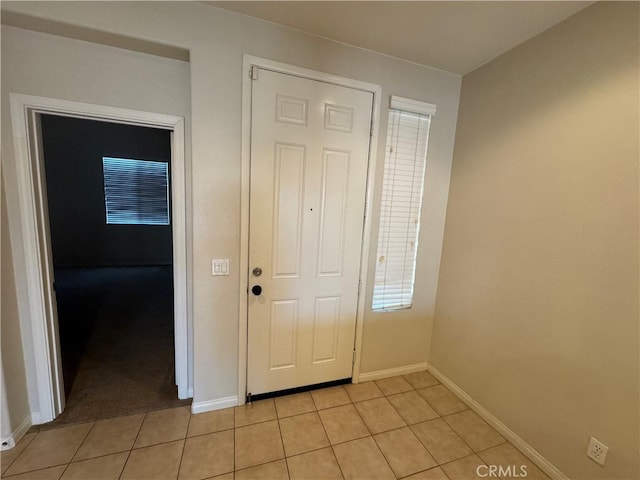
(117, 341)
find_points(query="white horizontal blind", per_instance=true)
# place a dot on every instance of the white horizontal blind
(136, 192)
(403, 180)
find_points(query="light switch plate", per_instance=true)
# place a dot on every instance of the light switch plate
(219, 266)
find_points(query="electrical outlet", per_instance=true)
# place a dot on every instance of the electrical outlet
(597, 451)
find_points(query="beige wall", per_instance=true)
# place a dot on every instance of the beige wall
(537, 310)
(216, 41)
(16, 408)
(52, 66)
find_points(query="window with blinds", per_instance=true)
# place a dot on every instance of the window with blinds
(402, 186)
(136, 192)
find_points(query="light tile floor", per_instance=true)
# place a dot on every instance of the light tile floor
(402, 427)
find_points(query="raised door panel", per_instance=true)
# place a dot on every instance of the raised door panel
(283, 334)
(326, 330)
(335, 184)
(287, 213)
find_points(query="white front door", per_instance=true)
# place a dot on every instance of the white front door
(309, 158)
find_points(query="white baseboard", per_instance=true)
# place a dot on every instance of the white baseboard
(16, 435)
(527, 450)
(392, 372)
(216, 404)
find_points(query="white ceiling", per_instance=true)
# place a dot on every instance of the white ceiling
(454, 36)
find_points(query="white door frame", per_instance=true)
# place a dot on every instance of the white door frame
(37, 322)
(248, 62)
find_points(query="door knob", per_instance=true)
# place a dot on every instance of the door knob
(256, 290)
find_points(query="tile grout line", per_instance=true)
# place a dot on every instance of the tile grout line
(462, 458)
(279, 419)
(422, 471)
(184, 444)
(301, 453)
(92, 458)
(9, 477)
(406, 425)
(46, 427)
(141, 448)
(286, 465)
(235, 426)
(296, 455)
(132, 445)
(410, 425)
(276, 419)
(327, 435)
(83, 440)
(384, 456)
(362, 401)
(284, 451)
(442, 417)
(456, 434)
(369, 430)
(77, 449)
(262, 463)
(192, 436)
(18, 456)
(358, 412)
(337, 462)
(372, 436)
(66, 464)
(474, 452)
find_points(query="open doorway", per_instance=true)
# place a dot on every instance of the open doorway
(38, 310)
(109, 211)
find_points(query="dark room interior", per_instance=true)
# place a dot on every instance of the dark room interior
(112, 258)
